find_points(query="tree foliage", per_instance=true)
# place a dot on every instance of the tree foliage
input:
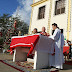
(7, 25)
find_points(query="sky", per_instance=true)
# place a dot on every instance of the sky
(14, 7)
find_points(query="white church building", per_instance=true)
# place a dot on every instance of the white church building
(46, 12)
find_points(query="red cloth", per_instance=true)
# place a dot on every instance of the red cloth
(28, 41)
(66, 49)
(43, 33)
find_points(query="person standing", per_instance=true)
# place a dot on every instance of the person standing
(62, 44)
(57, 39)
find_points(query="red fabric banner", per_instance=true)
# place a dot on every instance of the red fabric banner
(24, 41)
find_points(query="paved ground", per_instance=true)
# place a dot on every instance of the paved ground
(5, 56)
(5, 68)
(67, 68)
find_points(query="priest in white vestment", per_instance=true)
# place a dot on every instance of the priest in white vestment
(62, 44)
(57, 58)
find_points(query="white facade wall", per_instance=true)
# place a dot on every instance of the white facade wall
(61, 19)
(36, 1)
(39, 23)
(70, 36)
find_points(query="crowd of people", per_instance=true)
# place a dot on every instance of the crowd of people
(43, 32)
(35, 31)
(57, 59)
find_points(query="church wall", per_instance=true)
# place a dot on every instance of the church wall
(71, 24)
(39, 23)
(60, 19)
(36, 1)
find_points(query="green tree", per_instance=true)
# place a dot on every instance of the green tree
(22, 26)
(8, 28)
(4, 20)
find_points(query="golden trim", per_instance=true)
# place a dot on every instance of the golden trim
(49, 19)
(33, 1)
(69, 11)
(39, 2)
(30, 21)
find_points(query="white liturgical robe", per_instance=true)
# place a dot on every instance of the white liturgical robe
(57, 58)
(62, 44)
